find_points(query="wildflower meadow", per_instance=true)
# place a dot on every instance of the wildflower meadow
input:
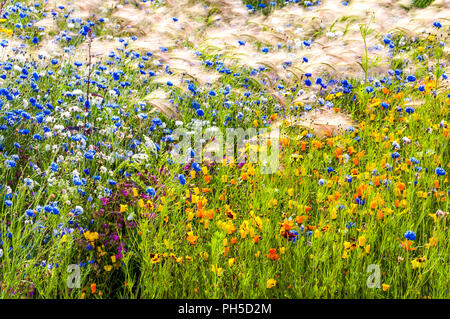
(224, 149)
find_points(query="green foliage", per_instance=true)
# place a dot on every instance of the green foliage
(421, 3)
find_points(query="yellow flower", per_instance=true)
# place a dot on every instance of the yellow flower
(432, 243)
(217, 270)
(385, 287)
(271, 283)
(123, 208)
(90, 236)
(362, 241)
(6, 31)
(333, 214)
(231, 261)
(155, 259)
(108, 268)
(418, 262)
(347, 244)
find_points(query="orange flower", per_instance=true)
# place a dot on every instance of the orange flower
(191, 238)
(376, 181)
(288, 224)
(358, 192)
(303, 146)
(300, 219)
(273, 254)
(351, 150)
(406, 245)
(399, 96)
(317, 144)
(284, 141)
(93, 288)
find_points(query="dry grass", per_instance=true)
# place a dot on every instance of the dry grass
(230, 22)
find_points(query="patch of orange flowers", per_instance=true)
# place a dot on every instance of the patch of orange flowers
(273, 254)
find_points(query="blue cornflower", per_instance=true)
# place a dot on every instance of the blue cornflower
(437, 24)
(411, 78)
(89, 155)
(439, 171)
(395, 155)
(54, 166)
(410, 235)
(30, 213)
(409, 110)
(151, 191)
